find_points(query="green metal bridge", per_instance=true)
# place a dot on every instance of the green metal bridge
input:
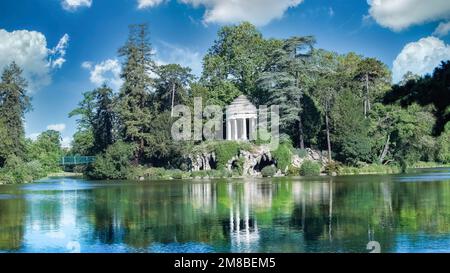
(76, 160)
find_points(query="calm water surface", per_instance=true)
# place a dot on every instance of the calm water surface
(404, 213)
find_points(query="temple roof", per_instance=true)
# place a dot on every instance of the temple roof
(241, 106)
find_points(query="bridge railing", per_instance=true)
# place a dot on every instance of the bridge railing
(76, 160)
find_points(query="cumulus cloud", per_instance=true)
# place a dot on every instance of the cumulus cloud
(442, 29)
(400, 14)
(57, 127)
(420, 57)
(29, 50)
(143, 4)
(72, 5)
(258, 12)
(107, 72)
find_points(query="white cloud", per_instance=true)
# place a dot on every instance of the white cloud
(72, 5)
(29, 50)
(57, 127)
(258, 12)
(142, 4)
(443, 29)
(183, 56)
(420, 57)
(107, 72)
(33, 136)
(59, 52)
(400, 14)
(66, 142)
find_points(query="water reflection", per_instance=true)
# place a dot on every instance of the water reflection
(340, 214)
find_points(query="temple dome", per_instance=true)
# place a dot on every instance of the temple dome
(241, 107)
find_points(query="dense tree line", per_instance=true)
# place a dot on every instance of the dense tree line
(340, 103)
(21, 159)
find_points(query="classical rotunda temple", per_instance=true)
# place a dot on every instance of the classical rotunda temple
(241, 119)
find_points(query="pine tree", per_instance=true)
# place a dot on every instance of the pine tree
(133, 107)
(14, 103)
(104, 119)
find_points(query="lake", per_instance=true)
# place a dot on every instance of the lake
(402, 213)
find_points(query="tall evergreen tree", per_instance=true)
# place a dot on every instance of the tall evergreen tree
(14, 103)
(134, 104)
(281, 80)
(104, 119)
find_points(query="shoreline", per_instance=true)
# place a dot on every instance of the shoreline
(350, 171)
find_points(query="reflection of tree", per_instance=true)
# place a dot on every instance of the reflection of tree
(330, 214)
(12, 219)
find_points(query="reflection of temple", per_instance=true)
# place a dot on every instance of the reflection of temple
(244, 233)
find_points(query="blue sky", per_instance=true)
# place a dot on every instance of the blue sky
(67, 47)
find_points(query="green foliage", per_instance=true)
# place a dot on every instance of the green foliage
(293, 171)
(172, 86)
(238, 166)
(225, 151)
(114, 163)
(443, 147)
(269, 171)
(350, 135)
(302, 153)
(427, 90)
(370, 169)
(16, 171)
(46, 150)
(332, 167)
(283, 155)
(309, 168)
(281, 81)
(239, 53)
(14, 103)
(134, 107)
(83, 143)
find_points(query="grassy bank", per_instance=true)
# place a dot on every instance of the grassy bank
(369, 169)
(422, 164)
(64, 174)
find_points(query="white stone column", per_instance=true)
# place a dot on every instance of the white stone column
(228, 129)
(235, 127)
(252, 129)
(244, 129)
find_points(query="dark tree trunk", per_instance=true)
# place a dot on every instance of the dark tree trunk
(301, 138)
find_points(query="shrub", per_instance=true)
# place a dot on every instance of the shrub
(310, 168)
(16, 171)
(268, 171)
(302, 153)
(114, 163)
(238, 166)
(225, 152)
(332, 167)
(283, 155)
(293, 171)
(35, 169)
(178, 174)
(200, 174)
